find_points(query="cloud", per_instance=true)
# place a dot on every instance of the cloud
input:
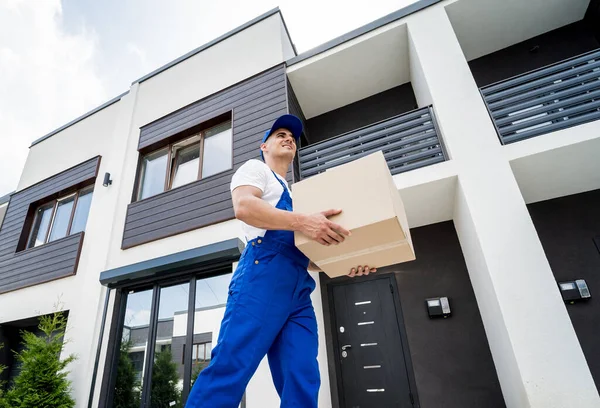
(140, 55)
(135, 318)
(47, 78)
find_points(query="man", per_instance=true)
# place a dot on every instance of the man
(269, 310)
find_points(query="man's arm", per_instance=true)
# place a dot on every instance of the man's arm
(251, 209)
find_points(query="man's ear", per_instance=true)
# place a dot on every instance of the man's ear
(263, 147)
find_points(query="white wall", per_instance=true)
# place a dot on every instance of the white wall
(352, 71)
(286, 45)
(417, 77)
(238, 57)
(70, 147)
(538, 357)
(3, 208)
(561, 163)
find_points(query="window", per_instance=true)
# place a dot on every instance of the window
(201, 352)
(60, 218)
(151, 362)
(200, 156)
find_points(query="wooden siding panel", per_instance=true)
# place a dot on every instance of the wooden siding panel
(165, 200)
(46, 262)
(240, 91)
(255, 103)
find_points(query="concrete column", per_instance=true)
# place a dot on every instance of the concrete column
(85, 316)
(536, 352)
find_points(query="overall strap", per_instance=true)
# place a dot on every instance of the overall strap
(280, 182)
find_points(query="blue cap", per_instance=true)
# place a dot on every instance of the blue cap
(289, 122)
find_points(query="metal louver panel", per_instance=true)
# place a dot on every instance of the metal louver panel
(408, 141)
(555, 97)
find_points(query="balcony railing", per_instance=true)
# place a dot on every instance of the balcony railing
(554, 97)
(408, 141)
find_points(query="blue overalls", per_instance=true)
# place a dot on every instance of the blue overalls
(268, 311)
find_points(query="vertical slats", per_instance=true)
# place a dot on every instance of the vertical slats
(556, 97)
(408, 141)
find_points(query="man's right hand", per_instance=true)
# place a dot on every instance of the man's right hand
(320, 229)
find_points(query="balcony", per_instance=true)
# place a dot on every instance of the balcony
(536, 63)
(555, 97)
(408, 141)
(363, 96)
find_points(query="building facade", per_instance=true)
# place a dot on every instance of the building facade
(487, 113)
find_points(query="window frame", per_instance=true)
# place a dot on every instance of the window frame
(196, 346)
(171, 170)
(109, 375)
(168, 176)
(55, 203)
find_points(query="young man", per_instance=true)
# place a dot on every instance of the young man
(269, 310)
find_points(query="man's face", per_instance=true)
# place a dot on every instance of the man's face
(281, 143)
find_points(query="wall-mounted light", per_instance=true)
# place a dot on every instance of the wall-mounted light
(438, 307)
(107, 181)
(573, 291)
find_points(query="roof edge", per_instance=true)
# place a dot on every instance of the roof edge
(80, 118)
(210, 44)
(228, 250)
(287, 32)
(5, 198)
(380, 22)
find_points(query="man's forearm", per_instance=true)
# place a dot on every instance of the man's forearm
(260, 214)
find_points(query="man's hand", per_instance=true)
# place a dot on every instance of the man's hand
(251, 209)
(361, 270)
(320, 229)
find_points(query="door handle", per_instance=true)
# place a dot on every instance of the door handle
(347, 346)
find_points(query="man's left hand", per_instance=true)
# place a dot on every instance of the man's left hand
(361, 270)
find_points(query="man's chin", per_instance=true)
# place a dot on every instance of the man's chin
(287, 154)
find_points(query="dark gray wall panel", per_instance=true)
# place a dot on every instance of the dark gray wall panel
(267, 85)
(567, 227)
(177, 349)
(255, 103)
(548, 48)
(50, 261)
(365, 112)
(451, 359)
(592, 18)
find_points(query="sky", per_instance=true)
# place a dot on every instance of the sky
(60, 59)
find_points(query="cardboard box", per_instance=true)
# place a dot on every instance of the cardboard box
(371, 209)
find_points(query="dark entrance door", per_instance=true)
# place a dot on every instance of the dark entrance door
(369, 351)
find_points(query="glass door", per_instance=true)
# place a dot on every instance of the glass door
(166, 339)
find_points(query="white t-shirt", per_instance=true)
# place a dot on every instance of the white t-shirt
(257, 174)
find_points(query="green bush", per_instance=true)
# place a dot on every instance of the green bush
(42, 382)
(164, 381)
(127, 389)
(3, 401)
(197, 369)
